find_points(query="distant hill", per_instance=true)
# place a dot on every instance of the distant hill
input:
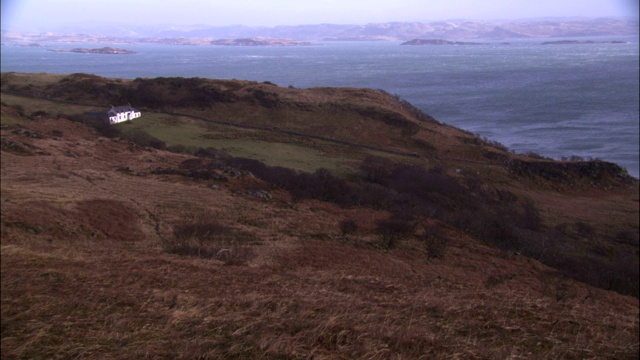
(397, 31)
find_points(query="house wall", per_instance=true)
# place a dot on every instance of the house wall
(124, 116)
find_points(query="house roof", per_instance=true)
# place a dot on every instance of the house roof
(120, 109)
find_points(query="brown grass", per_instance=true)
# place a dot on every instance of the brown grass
(84, 274)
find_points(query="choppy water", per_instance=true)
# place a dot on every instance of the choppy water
(554, 100)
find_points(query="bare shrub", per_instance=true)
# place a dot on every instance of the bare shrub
(585, 230)
(19, 110)
(144, 139)
(495, 280)
(331, 188)
(210, 240)
(321, 184)
(98, 123)
(536, 156)
(372, 195)
(392, 231)
(178, 148)
(57, 133)
(348, 227)
(531, 218)
(39, 113)
(628, 237)
(562, 228)
(435, 242)
(211, 153)
(413, 194)
(377, 169)
(193, 163)
(424, 183)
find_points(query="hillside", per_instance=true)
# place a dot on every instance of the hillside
(396, 31)
(238, 219)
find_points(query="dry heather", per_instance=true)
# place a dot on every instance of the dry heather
(86, 272)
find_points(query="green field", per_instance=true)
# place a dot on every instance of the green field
(53, 108)
(236, 142)
(189, 132)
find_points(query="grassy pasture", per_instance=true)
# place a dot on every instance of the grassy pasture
(32, 105)
(236, 142)
(189, 132)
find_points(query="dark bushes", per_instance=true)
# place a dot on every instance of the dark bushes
(175, 92)
(422, 183)
(585, 230)
(348, 227)
(435, 242)
(628, 237)
(377, 169)
(571, 173)
(390, 118)
(393, 230)
(211, 153)
(99, 123)
(144, 139)
(321, 185)
(266, 99)
(620, 274)
(372, 195)
(412, 194)
(195, 169)
(208, 239)
(415, 193)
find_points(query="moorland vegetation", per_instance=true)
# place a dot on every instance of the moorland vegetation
(363, 195)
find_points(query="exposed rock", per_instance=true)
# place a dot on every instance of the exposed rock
(261, 194)
(233, 172)
(14, 147)
(27, 133)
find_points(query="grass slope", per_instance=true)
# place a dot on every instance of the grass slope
(103, 256)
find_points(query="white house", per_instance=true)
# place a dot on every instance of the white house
(119, 114)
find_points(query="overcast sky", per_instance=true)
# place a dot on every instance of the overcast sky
(43, 15)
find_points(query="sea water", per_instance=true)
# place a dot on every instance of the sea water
(553, 100)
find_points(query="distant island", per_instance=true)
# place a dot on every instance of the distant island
(439, 42)
(259, 42)
(253, 41)
(104, 50)
(571, 42)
